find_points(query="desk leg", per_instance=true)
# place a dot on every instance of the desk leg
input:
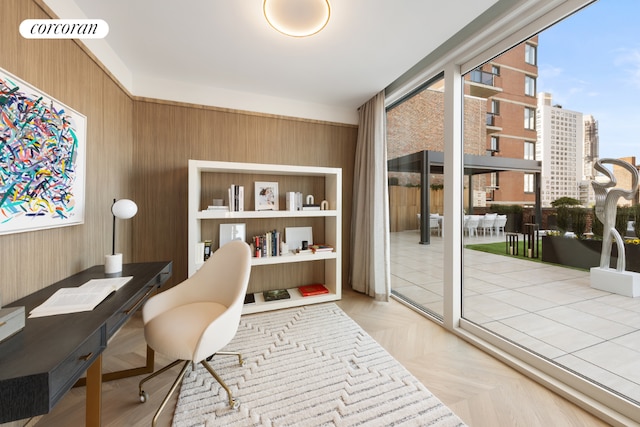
(127, 373)
(94, 393)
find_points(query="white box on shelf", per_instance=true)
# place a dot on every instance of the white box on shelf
(199, 253)
(290, 200)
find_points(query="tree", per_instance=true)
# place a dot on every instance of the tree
(565, 201)
(570, 215)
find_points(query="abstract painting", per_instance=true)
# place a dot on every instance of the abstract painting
(42, 159)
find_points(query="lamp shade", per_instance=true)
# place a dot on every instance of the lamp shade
(124, 209)
(297, 18)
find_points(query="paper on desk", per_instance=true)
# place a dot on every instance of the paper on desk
(113, 283)
(82, 298)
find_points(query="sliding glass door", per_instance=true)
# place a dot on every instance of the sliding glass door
(531, 121)
(415, 136)
(549, 100)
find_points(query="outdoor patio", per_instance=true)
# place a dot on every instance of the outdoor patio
(549, 309)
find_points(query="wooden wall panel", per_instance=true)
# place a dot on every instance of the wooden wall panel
(168, 135)
(404, 205)
(62, 69)
(139, 149)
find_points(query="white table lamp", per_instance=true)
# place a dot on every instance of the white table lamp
(123, 209)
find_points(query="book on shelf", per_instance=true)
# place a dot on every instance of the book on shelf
(267, 245)
(306, 207)
(276, 294)
(249, 299)
(321, 248)
(293, 201)
(83, 298)
(314, 289)
(236, 198)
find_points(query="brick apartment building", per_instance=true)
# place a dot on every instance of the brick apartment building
(499, 120)
(508, 83)
(418, 124)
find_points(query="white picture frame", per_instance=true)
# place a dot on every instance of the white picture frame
(266, 196)
(295, 235)
(229, 232)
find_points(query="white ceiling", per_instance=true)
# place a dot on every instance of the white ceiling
(226, 49)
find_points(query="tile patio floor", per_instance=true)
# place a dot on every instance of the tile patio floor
(549, 309)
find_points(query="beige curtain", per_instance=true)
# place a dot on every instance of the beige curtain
(370, 268)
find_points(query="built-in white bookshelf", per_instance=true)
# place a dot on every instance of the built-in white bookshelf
(211, 179)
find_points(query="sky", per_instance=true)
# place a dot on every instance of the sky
(590, 63)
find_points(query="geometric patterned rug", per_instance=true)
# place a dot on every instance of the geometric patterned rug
(308, 366)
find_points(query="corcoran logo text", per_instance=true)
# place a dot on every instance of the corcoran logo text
(64, 29)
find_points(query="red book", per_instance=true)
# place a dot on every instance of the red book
(315, 289)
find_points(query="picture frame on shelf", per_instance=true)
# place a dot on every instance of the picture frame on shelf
(294, 236)
(229, 232)
(266, 196)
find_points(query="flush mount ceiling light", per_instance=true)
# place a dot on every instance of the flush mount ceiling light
(297, 18)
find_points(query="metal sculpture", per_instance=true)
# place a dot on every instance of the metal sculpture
(607, 196)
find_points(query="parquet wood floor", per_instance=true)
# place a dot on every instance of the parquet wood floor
(477, 387)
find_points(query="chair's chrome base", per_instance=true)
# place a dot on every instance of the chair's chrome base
(233, 403)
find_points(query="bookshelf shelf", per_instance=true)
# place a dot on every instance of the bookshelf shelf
(289, 259)
(296, 300)
(211, 179)
(264, 214)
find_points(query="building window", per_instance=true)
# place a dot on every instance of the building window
(529, 150)
(528, 182)
(495, 107)
(495, 70)
(529, 118)
(494, 181)
(529, 86)
(495, 144)
(530, 52)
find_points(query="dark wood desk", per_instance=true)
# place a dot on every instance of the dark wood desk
(39, 364)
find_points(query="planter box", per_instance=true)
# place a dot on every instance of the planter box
(514, 223)
(585, 253)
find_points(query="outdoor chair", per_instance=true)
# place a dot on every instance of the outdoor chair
(499, 225)
(434, 222)
(486, 223)
(471, 225)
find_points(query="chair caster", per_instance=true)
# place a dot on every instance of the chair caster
(143, 396)
(234, 403)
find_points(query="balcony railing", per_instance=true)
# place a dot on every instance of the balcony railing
(491, 119)
(482, 77)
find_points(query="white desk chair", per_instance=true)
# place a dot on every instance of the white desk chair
(192, 321)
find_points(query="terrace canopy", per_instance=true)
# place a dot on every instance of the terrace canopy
(432, 162)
